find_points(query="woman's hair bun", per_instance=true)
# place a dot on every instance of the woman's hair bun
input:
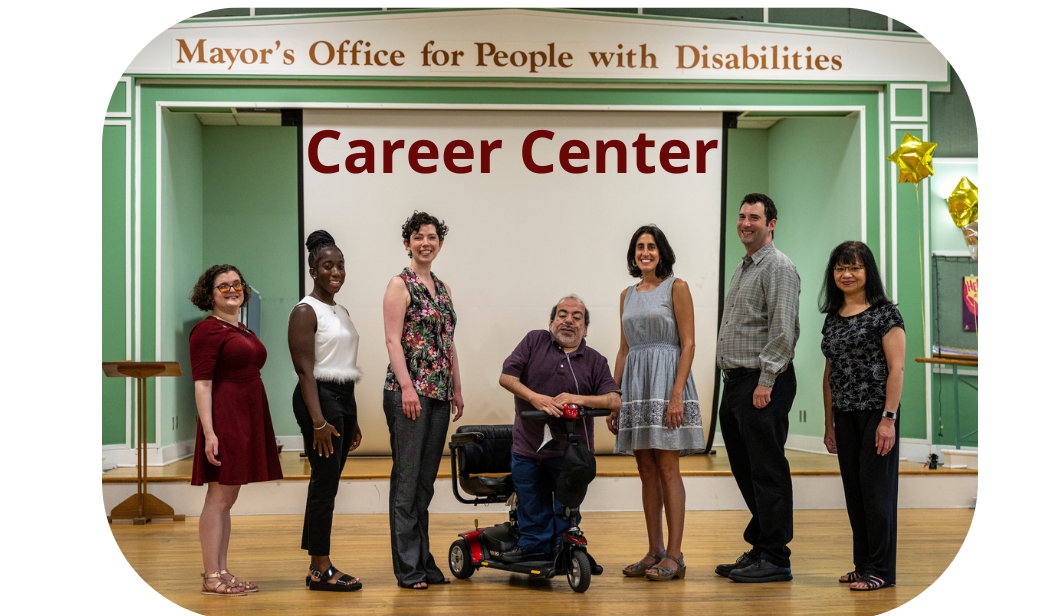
(319, 239)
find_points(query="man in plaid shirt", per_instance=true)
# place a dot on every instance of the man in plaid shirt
(759, 329)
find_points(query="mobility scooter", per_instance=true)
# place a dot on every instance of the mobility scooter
(480, 457)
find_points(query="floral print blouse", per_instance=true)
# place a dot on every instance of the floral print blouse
(427, 339)
(854, 347)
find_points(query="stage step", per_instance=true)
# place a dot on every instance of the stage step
(708, 484)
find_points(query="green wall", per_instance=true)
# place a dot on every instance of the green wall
(114, 343)
(222, 188)
(249, 190)
(182, 226)
(810, 167)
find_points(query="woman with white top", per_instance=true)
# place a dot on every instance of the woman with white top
(323, 347)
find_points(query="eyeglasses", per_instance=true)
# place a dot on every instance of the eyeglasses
(224, 287)
(854, 269)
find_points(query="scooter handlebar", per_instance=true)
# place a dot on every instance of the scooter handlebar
(582, 412)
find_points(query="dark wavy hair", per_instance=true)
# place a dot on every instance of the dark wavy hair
(203, 293)
(317, 240)
(665, 267)
(419, 219)
(831, 298)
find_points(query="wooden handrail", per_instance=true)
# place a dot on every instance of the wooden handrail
(955, 362)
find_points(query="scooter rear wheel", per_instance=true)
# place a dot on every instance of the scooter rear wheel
(460, 563)
(579, 571)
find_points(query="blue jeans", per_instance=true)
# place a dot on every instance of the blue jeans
(539, 513)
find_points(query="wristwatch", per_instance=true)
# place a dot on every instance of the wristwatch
(890, 415)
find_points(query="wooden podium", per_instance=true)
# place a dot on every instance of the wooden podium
(142, 507)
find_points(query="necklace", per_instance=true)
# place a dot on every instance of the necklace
(333, 306)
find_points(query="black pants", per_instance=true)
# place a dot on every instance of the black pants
(416, 451)
(756, 439)
(338, 408)
(871, 491)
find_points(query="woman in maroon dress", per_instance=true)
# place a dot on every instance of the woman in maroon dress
(235, 443)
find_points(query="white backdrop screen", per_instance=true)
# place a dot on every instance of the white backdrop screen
(527, 225)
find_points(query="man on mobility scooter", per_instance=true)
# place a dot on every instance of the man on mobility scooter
(551, 429)
(542, 370)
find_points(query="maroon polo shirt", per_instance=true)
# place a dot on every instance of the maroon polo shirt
(540, 363)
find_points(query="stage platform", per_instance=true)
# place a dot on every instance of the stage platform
(708, 482)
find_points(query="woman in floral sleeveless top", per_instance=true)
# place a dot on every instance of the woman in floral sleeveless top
(421, 389)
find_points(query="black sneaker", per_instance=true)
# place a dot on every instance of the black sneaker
(745, 560)
(518, 554)
(761, 571)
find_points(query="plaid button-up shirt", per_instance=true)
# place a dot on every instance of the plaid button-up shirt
(760, 325)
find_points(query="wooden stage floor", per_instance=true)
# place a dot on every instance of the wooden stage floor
(295, 467)
(265, 549)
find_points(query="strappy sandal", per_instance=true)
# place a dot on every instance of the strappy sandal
(323, 583)
(223, 589)
(871, 583)
(662, 574)
(638, 569)
(850, 577)
(239, 582)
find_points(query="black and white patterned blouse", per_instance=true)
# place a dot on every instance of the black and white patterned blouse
(854, 347)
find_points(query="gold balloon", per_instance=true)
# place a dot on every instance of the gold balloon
(963, 203)
(913, 158)
(970, 235)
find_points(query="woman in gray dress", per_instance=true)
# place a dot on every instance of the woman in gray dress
(660, 419)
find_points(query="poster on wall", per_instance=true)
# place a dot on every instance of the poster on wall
(539, 205)
(970, 303)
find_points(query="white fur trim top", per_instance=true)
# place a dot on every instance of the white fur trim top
(336, 343)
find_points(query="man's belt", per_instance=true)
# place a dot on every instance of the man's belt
(734, 373)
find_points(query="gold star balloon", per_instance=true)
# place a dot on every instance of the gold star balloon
(913, 158)
(963, 203)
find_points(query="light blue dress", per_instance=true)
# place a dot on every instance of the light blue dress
(648, 377)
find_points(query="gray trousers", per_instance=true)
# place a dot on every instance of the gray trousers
(416, 451)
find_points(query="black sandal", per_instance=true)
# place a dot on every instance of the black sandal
(323, 583)
(871, 583)
(850, 577)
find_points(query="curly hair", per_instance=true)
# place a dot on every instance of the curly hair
(419, 219)
(203, 293)
(665, 268)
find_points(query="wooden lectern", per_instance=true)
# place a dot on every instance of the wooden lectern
(142, 506)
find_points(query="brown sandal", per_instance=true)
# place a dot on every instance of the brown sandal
(638, 569)
(239, 582)
(223, 589)
(662, 574)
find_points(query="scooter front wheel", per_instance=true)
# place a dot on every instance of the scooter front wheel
(579, 571)
(460, 563)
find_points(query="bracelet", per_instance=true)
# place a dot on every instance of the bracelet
(322, 426)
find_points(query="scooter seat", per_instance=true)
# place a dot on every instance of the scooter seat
(485, 466)
(484, 485)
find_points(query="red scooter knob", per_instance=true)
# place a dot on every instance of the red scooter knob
(570, 411)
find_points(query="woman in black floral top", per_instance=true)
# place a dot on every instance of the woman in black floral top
(863, 340)
(421, 390)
